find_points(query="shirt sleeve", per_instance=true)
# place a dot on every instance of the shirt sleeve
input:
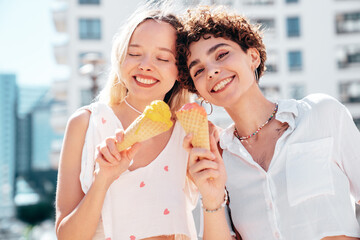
(349, 148)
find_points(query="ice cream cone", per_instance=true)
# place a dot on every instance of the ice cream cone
(155, 119)
(193, 119)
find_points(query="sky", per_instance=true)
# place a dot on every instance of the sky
(26, 35)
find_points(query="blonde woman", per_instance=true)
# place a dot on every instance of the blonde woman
(142, 192)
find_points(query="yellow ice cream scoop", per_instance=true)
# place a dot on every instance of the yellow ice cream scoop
(155, 119)
(158, 111)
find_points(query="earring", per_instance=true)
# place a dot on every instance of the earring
(211, 106)
(256, 75)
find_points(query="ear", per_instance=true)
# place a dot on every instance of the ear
(254, 56)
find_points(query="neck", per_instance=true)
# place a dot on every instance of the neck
(139, 103)
(250, 111)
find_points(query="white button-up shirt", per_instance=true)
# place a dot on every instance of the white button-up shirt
(305, 194)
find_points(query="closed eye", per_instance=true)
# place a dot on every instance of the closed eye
(221, 55)
(198, 72)
(134, 54)
(162, 59)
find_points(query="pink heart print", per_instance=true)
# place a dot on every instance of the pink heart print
(142, 184)
(166, 211)
(166, 168)
(103, 120)
(132, 237)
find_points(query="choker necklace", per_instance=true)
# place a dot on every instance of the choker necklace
(132, 106)
(253, 134)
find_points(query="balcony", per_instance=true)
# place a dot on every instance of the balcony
(61, 53)
(59, 117)
(59, 12)
(59, 90)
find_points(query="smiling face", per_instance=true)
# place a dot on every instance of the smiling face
(149, 69)
(222, 72)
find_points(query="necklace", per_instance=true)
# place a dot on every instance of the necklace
(132, 106)
(253, 134)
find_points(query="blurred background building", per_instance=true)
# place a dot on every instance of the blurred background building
(312, 46)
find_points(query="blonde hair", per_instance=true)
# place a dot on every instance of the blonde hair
(115, 91)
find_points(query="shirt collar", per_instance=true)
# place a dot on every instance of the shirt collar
(287, 112)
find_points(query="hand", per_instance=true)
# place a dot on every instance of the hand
(207, 171)
(113, 163)
(214, 131)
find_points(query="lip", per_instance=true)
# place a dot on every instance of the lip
(146, 78)
(225, 87)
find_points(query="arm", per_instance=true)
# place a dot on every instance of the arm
(73, 207)
(209, 176)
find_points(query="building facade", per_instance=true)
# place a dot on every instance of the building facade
(8, 108)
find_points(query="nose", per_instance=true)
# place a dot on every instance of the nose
(145, 64)
(213, 72)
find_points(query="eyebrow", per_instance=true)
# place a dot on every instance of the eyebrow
(210, 51)
(160, 48)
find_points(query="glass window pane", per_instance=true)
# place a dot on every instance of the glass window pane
(97, 2)
(295, 60)
(90, 28)
(293, 26)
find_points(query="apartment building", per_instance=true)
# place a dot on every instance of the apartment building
(313, 46)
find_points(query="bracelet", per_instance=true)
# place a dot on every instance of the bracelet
(216, 209)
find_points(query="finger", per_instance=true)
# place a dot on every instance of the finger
(206, 175)
(187, 142)
(199, 153)
(111, 145)
(107, 155)
(101, 160)
(133, 150)
(203, 165)
(119, 134)
(214, 147)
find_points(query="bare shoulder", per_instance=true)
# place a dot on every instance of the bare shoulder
(75, 136)
(79, 120)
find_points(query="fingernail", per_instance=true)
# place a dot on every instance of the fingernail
(118, 157)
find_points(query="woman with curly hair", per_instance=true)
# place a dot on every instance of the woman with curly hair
(289, 167)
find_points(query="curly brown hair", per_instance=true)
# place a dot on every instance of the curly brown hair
(218, 22)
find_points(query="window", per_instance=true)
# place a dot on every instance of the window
(357, 122)
(267, 24)
(86, 96)
(191, 2)
(293, 26)
(82, 55)
(271, 62)
(94, 2)
(271, 92)
(348, 23)
(295, 61)
(348, 56)
(292, 1)
(259, 2)
(350, 91)
(89, 29)
(297, 91)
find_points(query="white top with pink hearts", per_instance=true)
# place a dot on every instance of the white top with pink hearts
(155, 200)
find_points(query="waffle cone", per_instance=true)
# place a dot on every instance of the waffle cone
(140, 130)
(196, 123)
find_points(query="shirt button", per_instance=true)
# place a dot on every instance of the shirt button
(277, 235)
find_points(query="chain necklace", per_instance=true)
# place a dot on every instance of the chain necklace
(126, 102)
(253, 134)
